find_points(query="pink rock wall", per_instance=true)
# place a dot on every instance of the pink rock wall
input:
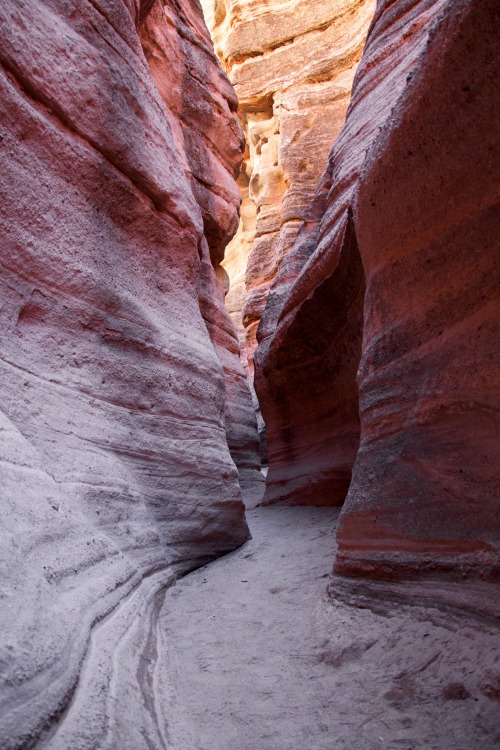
(411, 188)
(208, 136)
(120, 383)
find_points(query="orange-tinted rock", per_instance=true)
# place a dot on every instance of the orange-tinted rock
(115, 469)
(292, 65)
(412, 183)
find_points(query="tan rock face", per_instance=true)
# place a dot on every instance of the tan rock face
(292, 64)
(120, 372)
(396, 267)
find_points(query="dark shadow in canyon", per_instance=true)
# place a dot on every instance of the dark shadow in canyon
(311, 395)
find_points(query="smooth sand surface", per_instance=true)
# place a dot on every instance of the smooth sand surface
(258, 657)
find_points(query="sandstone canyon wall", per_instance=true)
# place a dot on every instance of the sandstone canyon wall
(121, 386)
(390, 299)
(209, 137)
(292, 65)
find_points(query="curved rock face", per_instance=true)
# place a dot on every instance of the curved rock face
(208, 136)
(412, 186)
(292, 65)
(118, 197)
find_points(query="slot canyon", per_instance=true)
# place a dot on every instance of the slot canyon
(250, 375)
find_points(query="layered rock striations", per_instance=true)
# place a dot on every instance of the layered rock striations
(292, 65)
(316, 347)
(210, 140)
(121, 386)
(407, 209)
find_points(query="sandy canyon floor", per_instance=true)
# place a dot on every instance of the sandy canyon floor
(260, 658)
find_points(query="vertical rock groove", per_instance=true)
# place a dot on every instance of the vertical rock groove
(313, 441)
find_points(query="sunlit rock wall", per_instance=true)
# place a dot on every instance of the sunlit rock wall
(119, 367)
(397, 266)
(292, 65)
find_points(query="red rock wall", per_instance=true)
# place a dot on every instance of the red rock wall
(412, 184)
(209, 138)
(118, 197)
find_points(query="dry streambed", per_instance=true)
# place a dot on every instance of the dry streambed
(259, 658)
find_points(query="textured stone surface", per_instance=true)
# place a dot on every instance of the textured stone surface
(426, 483)
(412, 186)
(308, 392)
(208, 137)
(312, 447)
(115, 469)
(292, 64)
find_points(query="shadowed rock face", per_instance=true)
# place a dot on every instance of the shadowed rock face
(312, 441)
(413, 180)
(119, 366)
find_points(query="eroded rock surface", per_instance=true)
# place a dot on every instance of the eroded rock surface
(208, 137)
(408, 206)
(121, 386)
(292, 65)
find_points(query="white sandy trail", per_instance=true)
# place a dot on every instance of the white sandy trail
(258, 658)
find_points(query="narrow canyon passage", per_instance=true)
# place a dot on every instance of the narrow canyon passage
(238, 237)
(258, 656)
